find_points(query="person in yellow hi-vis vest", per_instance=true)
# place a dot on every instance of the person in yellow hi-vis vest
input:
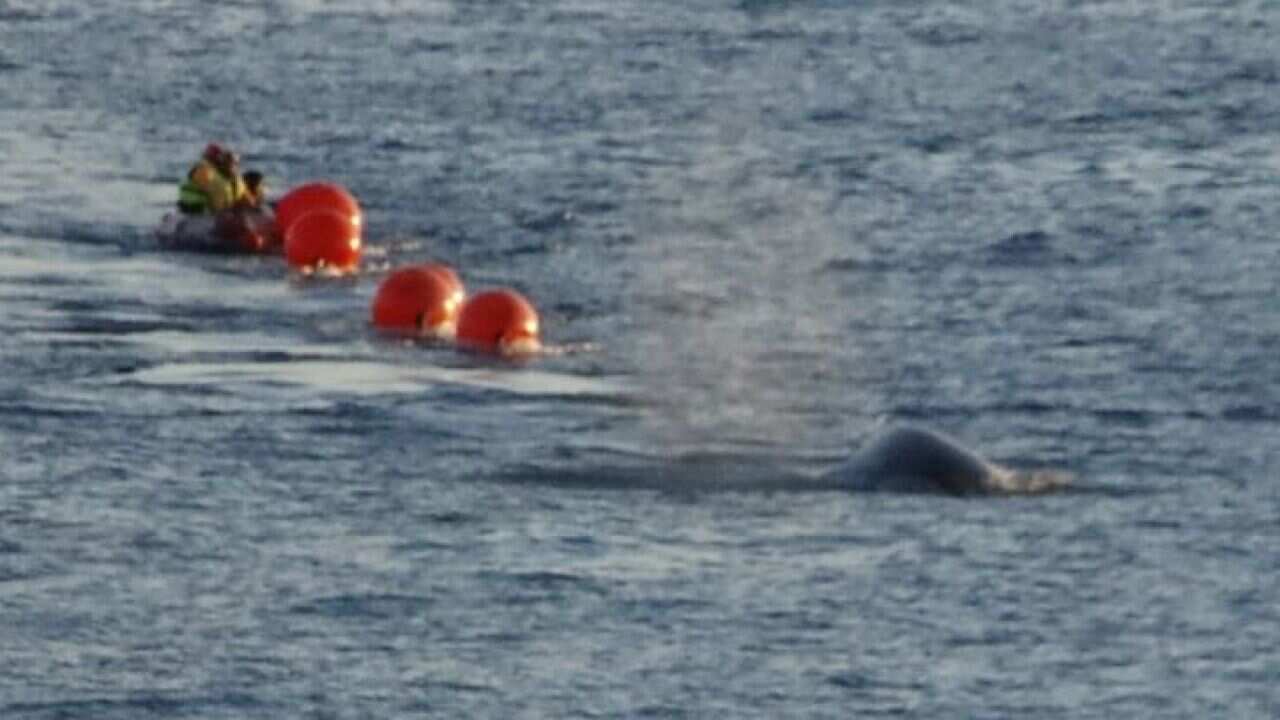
(213, 183)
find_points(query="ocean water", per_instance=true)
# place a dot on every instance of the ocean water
(1048, 229)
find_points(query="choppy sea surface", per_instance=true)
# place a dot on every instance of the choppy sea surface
(779, 229)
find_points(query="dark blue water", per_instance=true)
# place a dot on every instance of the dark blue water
(1048, 229)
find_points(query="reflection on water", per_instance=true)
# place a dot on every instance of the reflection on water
(368, 377)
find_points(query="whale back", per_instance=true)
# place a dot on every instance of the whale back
(913, 460)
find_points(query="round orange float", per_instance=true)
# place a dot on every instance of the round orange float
(315, 196)
(419, 298)
(322, 239)
(499, 320)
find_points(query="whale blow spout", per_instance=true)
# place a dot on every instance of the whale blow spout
(909, 460)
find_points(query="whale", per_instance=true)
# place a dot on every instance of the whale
(916, 460)
(906, 460)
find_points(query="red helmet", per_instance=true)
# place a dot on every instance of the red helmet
(213, 152)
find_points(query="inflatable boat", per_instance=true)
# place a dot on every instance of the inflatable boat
(242, 230)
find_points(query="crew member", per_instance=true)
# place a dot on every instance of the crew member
(255, 190)
(213, 183)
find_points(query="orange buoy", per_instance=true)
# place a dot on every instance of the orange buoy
(322, 239)
(499, 320)
(419, 298)
(317, 196)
